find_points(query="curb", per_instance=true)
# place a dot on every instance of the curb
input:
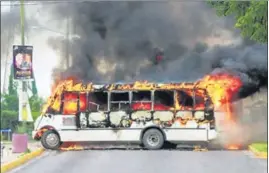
(21, 160)
(262, 155)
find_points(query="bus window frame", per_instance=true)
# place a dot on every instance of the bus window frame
(194, 99)
(153, 98)
(192, 93)
(86, 95)
(97, 105)
(118, 102)
(150, 101)
(63, 102)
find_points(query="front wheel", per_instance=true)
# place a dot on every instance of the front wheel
(50, 140)
(153, 139)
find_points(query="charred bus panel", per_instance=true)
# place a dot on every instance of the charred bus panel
(130, 115)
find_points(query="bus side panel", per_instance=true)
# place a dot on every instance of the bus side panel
(96, 135)
(189, 134)
(163, 116)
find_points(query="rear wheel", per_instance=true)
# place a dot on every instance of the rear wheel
(50, 140)
(153, 139)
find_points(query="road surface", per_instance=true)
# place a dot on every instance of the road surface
(142, 161)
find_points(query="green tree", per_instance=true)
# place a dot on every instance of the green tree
(12, 87)
(36, 105)
(9, 111)
(9, 102)
(251, 17)
(10, 107)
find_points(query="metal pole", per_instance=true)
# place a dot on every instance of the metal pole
(22, 21)
(67, 42)
(24, 87)
(24, 83)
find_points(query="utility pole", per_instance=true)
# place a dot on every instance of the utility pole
(23, 96)
(67, 57)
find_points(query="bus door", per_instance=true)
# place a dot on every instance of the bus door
(97, 109)
(203, 107)
(209, 108)
(163, 107)
(119, 106)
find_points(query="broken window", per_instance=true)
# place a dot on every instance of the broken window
(141, 100)
(199, 97)
(163, 100)
(97, 101)
(185, 99)
(119, 101)
(70, 103)
(82, 102)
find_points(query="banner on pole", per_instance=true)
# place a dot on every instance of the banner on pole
(23, 62)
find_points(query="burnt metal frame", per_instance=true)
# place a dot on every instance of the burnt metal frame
(130, 98)
(87, 99)
(150, 101)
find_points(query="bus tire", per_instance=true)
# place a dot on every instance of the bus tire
(50, 140)
(153, 139)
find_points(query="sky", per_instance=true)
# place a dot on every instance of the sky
(4, 6)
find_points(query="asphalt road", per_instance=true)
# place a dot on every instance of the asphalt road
(142, 161)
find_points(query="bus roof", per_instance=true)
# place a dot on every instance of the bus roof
(139, 85)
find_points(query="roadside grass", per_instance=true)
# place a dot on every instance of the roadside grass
(260, 147)
(6, 142)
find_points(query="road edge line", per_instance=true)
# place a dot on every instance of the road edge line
(262, 155)
(21, 160)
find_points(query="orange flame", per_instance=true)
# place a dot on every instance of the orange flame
(233, 147)
(68, 146)
(220, 87)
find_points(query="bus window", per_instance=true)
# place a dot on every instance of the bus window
(119, 101)
(185, 99)
(70, 103)
(82, 102)
(163, 100)
(199, 96)
(141, 100)
(97, 101)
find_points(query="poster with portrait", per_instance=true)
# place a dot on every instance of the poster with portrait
(23, 62)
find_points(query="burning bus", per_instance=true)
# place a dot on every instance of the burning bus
(147, 113)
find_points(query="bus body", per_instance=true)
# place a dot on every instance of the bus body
(148, 116)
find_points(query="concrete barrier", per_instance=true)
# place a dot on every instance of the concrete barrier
(21, 160)
(262, 155)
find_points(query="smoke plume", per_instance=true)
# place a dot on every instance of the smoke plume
(117, 39)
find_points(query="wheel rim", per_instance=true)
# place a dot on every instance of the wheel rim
(153, 140)
(52, 140)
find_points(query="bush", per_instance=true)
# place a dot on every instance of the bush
(22, 128)
(2, 137)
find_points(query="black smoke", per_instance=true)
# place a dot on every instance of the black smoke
(123, 35)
